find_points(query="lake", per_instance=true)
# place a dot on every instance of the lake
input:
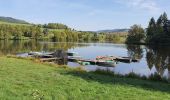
(152, 59)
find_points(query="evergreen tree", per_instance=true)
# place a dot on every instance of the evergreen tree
(159, 25)
(159, 33)
(164, 18)
(165, 23)
(151, 28)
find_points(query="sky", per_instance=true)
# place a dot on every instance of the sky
(86, 15)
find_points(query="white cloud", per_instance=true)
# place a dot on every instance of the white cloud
(147, 5)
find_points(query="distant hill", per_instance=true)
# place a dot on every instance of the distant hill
(113, 31)
(12, 20)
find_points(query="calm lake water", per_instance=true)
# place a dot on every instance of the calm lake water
(152, 59)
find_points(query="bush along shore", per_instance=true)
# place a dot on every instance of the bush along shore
(152, 77)
(30, 79)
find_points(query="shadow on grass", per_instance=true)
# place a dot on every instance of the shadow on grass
(114, 80)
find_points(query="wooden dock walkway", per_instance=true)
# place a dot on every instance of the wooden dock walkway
(49, 59)
(120, 59)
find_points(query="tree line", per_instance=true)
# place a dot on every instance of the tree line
(55, 26)
(157, 32)
(18, 32)
(53, 32)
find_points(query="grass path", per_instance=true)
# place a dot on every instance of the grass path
(27, 80)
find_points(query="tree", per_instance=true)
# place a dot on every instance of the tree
(55, 26)
(151, 28)
(136, 34)
(159, 25)
(38, 32)
(46, 31)
(166, 24)
(164, 18)
(159, 33)
(1, 35)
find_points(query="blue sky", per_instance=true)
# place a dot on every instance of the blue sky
(86, 15)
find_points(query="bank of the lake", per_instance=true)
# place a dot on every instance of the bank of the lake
(25, 79)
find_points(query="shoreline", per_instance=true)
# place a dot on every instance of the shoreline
(153, 77)
(33, 80)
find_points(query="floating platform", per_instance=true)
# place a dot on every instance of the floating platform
(120, 59)
(39, 53)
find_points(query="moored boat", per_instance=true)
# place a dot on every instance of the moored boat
(72, 53)
(84, 63)
(74, 58)
(107, 63)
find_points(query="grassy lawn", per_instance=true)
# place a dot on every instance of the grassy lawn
(24, 79)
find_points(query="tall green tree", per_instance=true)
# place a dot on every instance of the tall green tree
(136, 34)
(159, 25)
(165, 23)
(159, 33)
(164, 18)
(151, 28)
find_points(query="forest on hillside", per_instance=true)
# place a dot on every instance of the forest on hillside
(54, 32)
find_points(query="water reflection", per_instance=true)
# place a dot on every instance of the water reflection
(152, 59)
(13, 47)
(135, 51)
(158, 57)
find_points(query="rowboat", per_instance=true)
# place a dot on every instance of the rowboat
(124, 59)
(84, 63)
(107, 63)
(72, 53)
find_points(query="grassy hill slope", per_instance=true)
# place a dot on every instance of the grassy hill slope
(12, 20)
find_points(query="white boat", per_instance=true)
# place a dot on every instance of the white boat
(39, 53)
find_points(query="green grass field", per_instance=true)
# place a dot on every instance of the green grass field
(27, 80)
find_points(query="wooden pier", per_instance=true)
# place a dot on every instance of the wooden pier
(49, 59)
(120, 59)
(63, 56)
